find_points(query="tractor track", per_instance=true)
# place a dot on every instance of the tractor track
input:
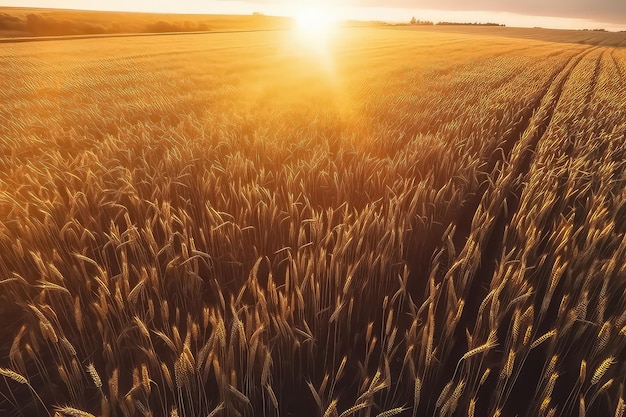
(520, 166)
(509, 188)
(618, 68)
(593, 84)
(521, 131)
(503, 179)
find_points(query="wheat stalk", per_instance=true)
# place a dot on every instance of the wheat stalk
(392, 412)
(13, 375)
(216, 410)
(484, 377)
(491, 342)
(167, 376)
(471, 408)
(583, 371)
(582, 410)
(443, 394)
(145, 378)
(72, 412)
(94, 375)
(355, 408)
(507, 371)
(417, 389)
(272, 395)
(20, 379)
(331, 410)
(601, 370)
(105, 407)
(619, 409)
(315, 394)
(240, 396)
(543, 338)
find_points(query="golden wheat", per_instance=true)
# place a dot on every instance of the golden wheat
(392, 412)
(73, 412)
(94, 375)
(258, 225)
(13, 375)
(602, 369)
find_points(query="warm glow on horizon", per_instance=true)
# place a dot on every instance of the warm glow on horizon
(342, 9)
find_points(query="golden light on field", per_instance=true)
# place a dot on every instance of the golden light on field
(360, 220)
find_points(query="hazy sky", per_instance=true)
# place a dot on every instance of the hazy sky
(614, 10)
(610, 14)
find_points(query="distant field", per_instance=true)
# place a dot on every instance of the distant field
(29, 22)
(583, 37)
(403, 222)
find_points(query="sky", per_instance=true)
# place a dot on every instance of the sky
(566, 14)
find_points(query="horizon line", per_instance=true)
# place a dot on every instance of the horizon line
(475, 17)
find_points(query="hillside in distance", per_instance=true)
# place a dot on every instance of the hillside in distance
(383, 223)
(22, 22)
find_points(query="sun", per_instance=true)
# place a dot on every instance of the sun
(314, 24)
(315, 33)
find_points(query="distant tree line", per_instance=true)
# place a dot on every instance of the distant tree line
(418, 22)
(42, 25)
(415, 21)
(468, 24)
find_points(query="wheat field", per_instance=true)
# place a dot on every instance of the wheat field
(410, 223)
